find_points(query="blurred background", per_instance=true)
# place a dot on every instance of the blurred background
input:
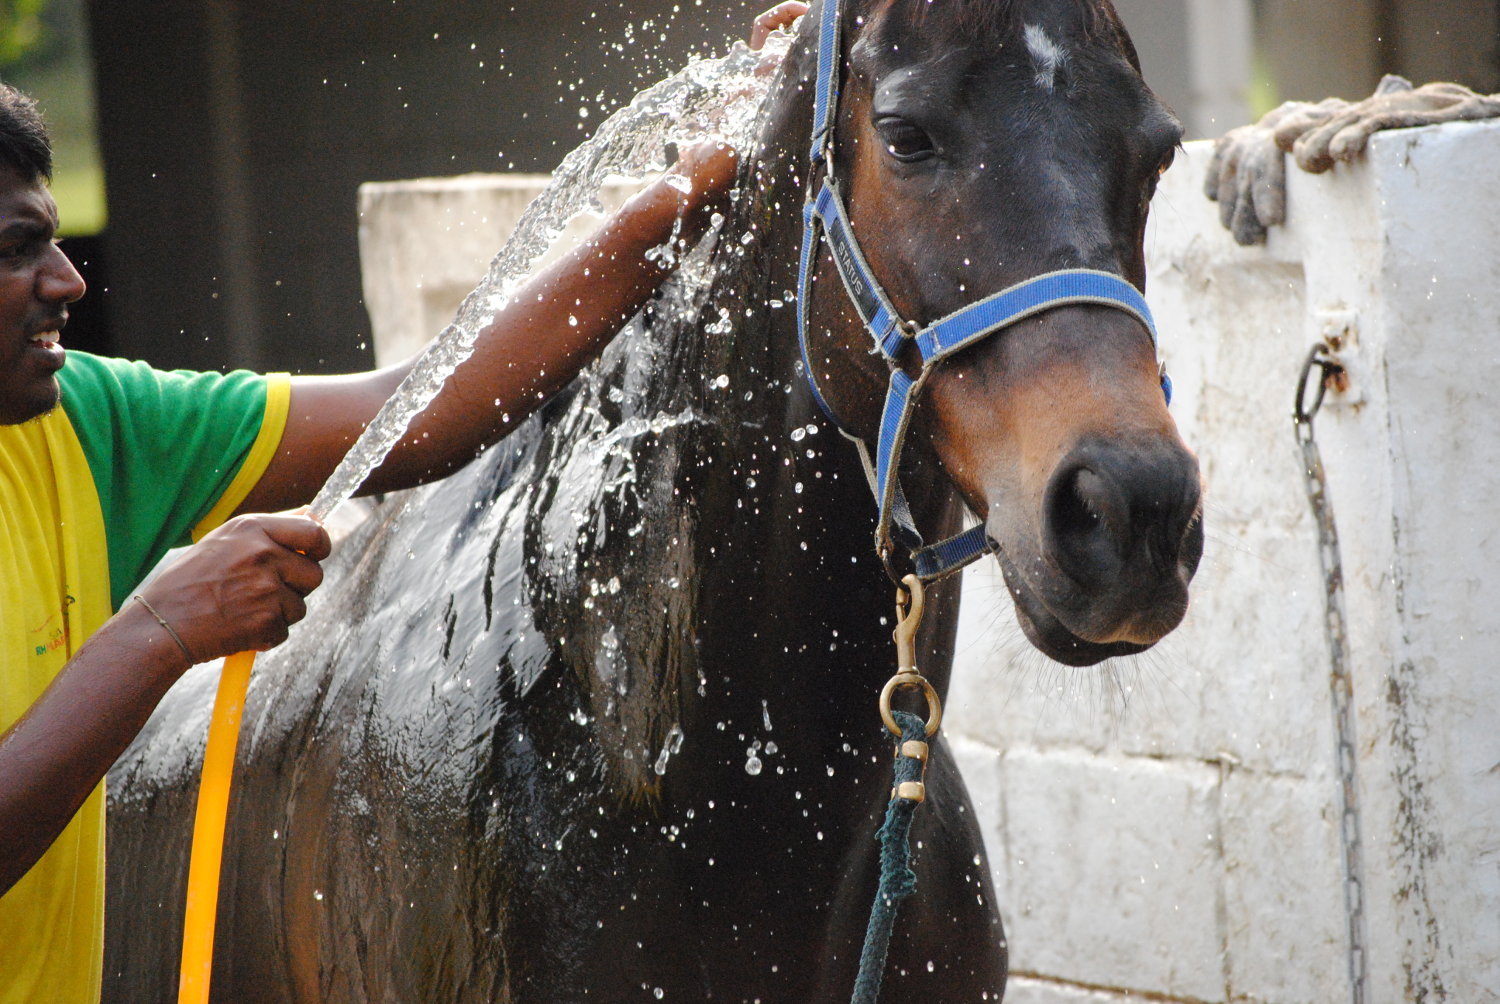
(209, 151)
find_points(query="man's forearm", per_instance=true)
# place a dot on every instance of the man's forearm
(54, 755)
(553, 327)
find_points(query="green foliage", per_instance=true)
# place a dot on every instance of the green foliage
(21, 29)
(44, 53)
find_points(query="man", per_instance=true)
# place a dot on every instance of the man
(105, 464)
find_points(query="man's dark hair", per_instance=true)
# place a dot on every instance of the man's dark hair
(24, 144)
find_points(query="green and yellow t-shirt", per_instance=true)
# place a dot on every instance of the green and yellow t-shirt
(134, 462)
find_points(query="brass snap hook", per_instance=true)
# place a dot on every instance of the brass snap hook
(908, 618)
(909, 599)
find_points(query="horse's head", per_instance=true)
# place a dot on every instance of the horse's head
(981, 143)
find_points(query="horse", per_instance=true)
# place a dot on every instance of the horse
(594, 719)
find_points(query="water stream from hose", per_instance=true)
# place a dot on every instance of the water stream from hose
(709, 99)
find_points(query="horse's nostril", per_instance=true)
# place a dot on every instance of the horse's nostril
(1191, 550)
(1084, 515)
(1119, 518)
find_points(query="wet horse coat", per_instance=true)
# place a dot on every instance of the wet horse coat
(594, 719)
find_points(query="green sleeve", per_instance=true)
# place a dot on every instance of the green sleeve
(162, 448)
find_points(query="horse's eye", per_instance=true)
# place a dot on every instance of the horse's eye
(903, 140)
(1166, 161)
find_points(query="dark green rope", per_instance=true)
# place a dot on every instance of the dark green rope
(897, 880)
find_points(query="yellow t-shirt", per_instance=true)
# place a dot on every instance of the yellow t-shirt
(133, 462)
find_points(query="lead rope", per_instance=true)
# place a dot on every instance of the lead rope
(897, 880)
(1340, 681)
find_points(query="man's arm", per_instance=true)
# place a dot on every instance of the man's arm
(551, 328)
(239, 588)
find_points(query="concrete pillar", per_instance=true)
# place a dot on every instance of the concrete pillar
(1196, 54)
(424, 244)
(1219, 40)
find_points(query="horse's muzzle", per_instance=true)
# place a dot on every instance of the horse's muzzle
(1121, 536)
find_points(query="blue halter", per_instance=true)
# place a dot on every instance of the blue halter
(824, 218)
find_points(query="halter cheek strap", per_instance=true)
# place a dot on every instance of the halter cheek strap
(825, 220)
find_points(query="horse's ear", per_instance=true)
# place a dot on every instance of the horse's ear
(1104, 14)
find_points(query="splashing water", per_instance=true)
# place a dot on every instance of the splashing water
(709, 99)
(672, 744)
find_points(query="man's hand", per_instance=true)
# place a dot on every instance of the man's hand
(695, 187)
(704, 173)
(242, 586)
(1248, 174)
(781, 17)
(238, 588)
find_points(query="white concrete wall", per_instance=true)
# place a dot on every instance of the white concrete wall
(1165, 828)
(1168, 826)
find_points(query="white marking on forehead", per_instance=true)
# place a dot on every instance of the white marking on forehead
(1046, 55)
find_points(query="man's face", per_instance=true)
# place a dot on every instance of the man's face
(37, 282)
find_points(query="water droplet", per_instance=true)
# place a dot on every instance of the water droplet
(798, 434)
(671, 745)
(721, 381)
(753, 765)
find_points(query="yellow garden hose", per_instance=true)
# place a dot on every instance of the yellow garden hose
(208, 830)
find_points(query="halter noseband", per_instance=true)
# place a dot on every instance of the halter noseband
(824, 217)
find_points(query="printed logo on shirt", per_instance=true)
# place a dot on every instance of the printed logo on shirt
(52, 633)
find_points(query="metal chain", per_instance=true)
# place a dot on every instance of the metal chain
(1341, 682)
